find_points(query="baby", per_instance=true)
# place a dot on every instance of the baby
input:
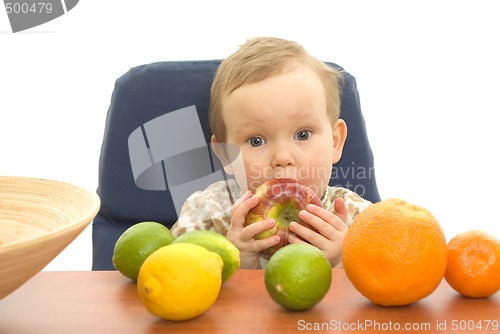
(280, 108)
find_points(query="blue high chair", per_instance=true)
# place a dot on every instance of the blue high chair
(156, 151)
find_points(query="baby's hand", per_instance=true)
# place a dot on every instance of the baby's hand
(243, 236)
(331, 229)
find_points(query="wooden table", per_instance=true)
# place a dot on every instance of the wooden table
(106, 302)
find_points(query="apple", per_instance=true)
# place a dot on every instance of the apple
(282, 200)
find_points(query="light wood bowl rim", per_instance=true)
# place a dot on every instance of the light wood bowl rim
(83, 221)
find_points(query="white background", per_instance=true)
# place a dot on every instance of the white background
(427, 72)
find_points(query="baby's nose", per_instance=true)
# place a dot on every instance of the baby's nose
(283, 157)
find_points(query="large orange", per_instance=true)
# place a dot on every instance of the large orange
(395, 253)
(474, 264)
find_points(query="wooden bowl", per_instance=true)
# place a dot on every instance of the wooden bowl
(38, 219)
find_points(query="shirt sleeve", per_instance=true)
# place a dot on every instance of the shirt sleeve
(205, 210)
(355, 203)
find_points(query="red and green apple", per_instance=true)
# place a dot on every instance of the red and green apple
(281, 199)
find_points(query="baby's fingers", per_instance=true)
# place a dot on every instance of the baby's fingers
(260, 245)
(240, 200)
(341, 209)
(316, 216)
(241, 208)
(250, 231)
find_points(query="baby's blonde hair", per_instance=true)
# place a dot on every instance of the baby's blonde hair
(261, 58)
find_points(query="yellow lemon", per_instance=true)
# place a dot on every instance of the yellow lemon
(218, 243)
(136, 244)
(180, 281)
(298, 276)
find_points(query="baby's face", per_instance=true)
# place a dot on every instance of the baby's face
(282, 129)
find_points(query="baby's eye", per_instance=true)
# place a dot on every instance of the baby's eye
(303, 135)
(256, 141)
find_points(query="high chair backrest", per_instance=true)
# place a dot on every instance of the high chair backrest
(155, 150)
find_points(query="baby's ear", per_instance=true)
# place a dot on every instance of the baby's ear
(339, 137)
(222, 152)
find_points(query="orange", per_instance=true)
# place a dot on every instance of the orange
(395, 253)
(298, 276)
(180, 281)
(136, 244)
(474, 264)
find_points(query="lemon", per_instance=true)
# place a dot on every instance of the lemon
(180, 281)
(218, 243)
(136, 244)
(298, 276)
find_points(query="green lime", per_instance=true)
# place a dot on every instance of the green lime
(298, 276)
(136, 244)
(218, 243)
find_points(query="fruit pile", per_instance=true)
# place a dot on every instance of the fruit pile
(177, 279)
(395, 253)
